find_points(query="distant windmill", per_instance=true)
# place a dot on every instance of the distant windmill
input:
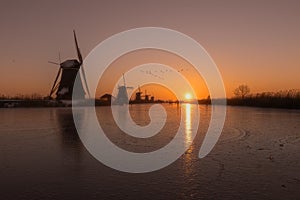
(67, 72)
(138, 96)
(122, 97)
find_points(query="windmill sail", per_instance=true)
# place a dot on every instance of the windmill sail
(54, 87)
(81, 63)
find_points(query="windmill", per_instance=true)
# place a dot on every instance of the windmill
(122, 96)
(138, 96)
(67, 73)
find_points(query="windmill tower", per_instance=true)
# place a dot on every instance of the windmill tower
(67, 73)
(138, 96)
(122, 97)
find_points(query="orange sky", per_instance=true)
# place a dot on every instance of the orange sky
(132, 59)
(253, 42)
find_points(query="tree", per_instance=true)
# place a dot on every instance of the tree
(242, 91)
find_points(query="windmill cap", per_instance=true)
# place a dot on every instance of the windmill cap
(70, 64)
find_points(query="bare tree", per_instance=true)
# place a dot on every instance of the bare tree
(242, 91)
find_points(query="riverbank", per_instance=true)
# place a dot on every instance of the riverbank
(287, 103)
(262, 102)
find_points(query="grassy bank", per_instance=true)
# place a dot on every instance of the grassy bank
(284, 99)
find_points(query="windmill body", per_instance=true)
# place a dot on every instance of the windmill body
(122, 96)
(70, 69)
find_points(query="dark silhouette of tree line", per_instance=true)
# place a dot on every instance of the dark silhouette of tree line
(281, 99)
(34, 96)
(21, 100)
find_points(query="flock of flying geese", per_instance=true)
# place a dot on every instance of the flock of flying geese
(155, 73)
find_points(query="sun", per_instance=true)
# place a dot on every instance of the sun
(188, 96)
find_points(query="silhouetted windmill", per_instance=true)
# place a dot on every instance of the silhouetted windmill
(122, 97)
(67, 72)
(138, 96)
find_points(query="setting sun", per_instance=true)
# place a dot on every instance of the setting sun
(188, 96)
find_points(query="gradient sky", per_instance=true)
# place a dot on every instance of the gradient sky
(252, 42)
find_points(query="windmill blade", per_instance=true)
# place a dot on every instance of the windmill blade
(54, 63)
(53, 87)
(124, 80)
(59, 58)
(81, 63)
(85, 82)
(77, 49)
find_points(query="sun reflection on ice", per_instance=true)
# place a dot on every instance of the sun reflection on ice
(188, 124)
